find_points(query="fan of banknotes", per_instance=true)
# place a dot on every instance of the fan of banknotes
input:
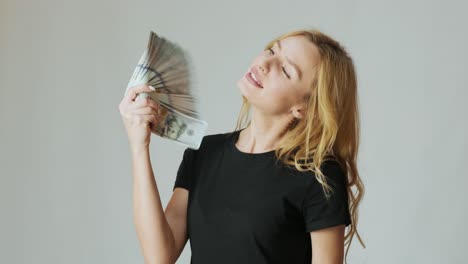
(168, 68)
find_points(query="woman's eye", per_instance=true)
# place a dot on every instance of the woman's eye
(285, 73)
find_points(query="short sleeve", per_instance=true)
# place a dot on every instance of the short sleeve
(183, 178)
(321, 213)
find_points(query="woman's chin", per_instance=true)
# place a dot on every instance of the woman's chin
(243, 90)
(247, 96)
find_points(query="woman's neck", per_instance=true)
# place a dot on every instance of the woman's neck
(263, 133)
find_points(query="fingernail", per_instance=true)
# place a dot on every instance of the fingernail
(143, 95)
(152, 88)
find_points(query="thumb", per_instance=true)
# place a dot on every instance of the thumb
(133, 92)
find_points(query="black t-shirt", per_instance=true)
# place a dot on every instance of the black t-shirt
(250, 208)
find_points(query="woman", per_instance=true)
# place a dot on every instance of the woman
(278, 188)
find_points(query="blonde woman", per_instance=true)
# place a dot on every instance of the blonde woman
(278, 189)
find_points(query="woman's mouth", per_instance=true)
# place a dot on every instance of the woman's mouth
(249, 77)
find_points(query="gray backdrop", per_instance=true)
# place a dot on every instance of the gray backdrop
(65, 164)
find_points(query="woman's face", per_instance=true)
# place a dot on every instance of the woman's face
(285, 73)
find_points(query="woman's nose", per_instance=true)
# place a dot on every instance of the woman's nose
(265, 65)
(261, 69)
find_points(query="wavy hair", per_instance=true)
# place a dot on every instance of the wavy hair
(330, 127)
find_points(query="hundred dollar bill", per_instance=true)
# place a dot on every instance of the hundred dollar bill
(178, 127)
(178, 102)
(165, 66)
(168, 68)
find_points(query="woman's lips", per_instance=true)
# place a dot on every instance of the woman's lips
(251, 80)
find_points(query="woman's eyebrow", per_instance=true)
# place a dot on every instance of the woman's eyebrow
(299, 73)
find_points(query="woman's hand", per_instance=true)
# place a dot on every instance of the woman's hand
(138, 115)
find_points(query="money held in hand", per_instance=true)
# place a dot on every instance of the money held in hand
(166, 67)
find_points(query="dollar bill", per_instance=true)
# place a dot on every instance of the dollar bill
(167, 67)
(176, 126)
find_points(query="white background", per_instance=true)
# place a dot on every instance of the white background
(65, 190)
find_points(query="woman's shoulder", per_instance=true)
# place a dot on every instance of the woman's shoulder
(218, 136)
(331, 167)
(216, 139)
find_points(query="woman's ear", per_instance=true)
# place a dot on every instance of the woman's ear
(298, 110)
(297, 113)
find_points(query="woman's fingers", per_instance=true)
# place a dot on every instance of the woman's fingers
(150, 119)
(153, 120)
(143, 103)
(145, 111)
(131, 113)
(143, 119)
(146, 104)
(133, 92)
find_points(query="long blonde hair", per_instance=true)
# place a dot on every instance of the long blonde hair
(331, 124)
